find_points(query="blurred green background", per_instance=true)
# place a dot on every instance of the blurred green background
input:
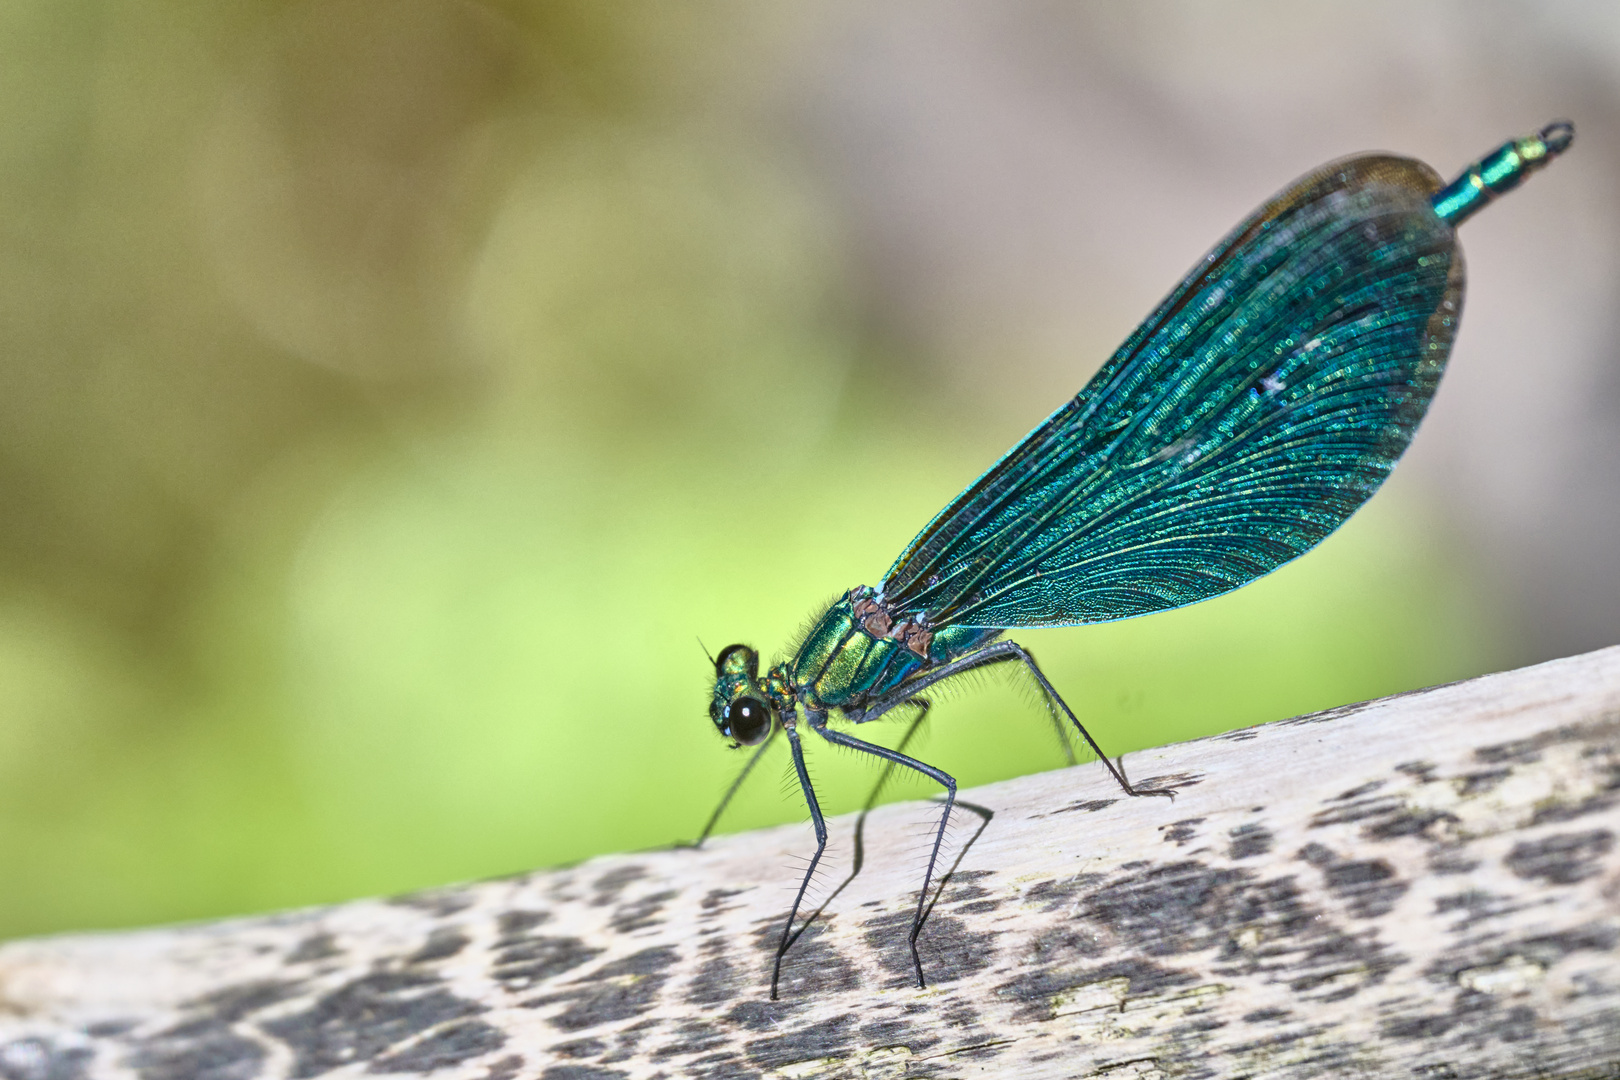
(392, 393)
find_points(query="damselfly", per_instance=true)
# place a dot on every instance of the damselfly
(1264, 401)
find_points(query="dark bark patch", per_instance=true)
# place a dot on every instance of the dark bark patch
(714, 901)
(1475, 1018)
(580, 1048)
(714, 984)
(1449, 859)
(202, 1045)
(1180, 832)
(629, 1039)
(879, 1033)
(812, 967)
(234, 1002)
(1561, 859)
(642, 913)
(977, 907)
(1369, 887)
(442, 944)
(315, 947)
(440, 902)
(1421, 771)
(1360, 809)
(1061, 946)
(1337, 966)
(1517, 1025)
(1266, 1016)
(611, 884)
(1249, 840)
(1602, 800)
(1041, 990)
(459, 1041)
(365, 1017)
(519, 921)
(948, 948)
(725, 1066)
(1060, 893)
(762, 1014)
(209, 1052)
(1476, 906)
(1482, 782)
(1169, 782)
(504, 1069)
(692, 1037)
(1408, 822)
(1086, 806)
(1168, 909)
(833, 1039)
(1252, 925)
(1428, 1026)
(1517, 752)
(44, 1059)
(527, 961)
(582, 1072)
(965, 885)
(615, 991)
(1544, 950)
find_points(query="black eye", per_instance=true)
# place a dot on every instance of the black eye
(750, 720)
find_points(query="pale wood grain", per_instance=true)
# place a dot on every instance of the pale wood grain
(1422, 886)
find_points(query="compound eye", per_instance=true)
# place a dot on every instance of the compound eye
(750, 720)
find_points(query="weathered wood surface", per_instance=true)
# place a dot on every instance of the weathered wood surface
(1422, 886)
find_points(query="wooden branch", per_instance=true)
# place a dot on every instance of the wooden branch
(1422, 886)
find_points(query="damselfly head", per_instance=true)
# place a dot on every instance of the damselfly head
(740, 708)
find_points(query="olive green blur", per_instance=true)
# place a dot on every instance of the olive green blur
(394, 392)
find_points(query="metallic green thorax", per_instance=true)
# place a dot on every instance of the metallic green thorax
(852, 654)
(855, 651)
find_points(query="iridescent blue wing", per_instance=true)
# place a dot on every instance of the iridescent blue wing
(1252, 413)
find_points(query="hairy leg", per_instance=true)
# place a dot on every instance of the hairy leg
(944, 779)
(999, 652)
(821, 847)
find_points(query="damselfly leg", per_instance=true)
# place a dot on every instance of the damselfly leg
(999, 652)
(815, 860)
(939, 776)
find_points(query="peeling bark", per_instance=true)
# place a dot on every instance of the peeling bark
(1426, 885)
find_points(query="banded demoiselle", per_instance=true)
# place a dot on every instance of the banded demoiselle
(1266, 398)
